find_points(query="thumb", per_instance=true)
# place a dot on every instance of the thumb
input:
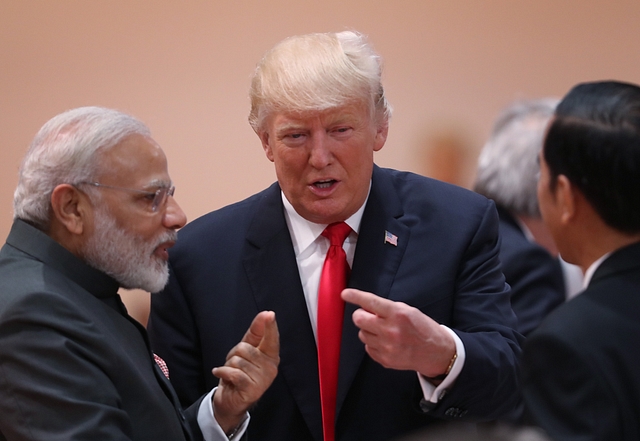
(256, 331)
(270, 343)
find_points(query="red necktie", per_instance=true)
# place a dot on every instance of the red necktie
(333, 280)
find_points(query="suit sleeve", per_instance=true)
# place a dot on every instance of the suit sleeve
(565, 394)
(51, 381)
(487, 387)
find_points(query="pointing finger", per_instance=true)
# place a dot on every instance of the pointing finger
(367, 301)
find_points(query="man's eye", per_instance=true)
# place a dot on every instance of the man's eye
(342, 131)
(294, 139)
(150, 196)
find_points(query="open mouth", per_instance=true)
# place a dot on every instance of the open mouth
(324, 184)
(162, 250)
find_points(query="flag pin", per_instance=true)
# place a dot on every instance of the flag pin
(390, 238)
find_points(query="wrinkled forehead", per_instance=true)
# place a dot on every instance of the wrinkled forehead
(137, 159)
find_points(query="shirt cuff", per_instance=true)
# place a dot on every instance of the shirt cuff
(211, 430)
(434, 394)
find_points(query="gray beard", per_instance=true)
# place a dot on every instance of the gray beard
(126, 257)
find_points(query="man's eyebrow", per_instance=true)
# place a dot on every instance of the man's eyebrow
(289, 126)
(158, 183)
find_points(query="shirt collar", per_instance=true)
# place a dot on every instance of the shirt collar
(304, 232)
(592, 269)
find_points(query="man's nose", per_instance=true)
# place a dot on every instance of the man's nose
(320, 154)
(174, 218)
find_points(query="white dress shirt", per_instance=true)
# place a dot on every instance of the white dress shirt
(310, 249)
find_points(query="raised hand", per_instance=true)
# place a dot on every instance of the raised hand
(251, 367)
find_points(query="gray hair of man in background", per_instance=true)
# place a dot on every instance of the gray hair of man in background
(66, 151)
(293, 77)
(508, 165)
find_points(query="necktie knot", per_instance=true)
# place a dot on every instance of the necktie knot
(337, 232)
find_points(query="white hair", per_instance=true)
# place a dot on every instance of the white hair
(65, 150)
(508, 163)
(316, 72)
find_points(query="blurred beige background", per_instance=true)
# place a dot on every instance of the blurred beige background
(183, 67)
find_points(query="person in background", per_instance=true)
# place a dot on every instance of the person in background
(580, 366)
(427, 331)
(93, 212)
(507, 173)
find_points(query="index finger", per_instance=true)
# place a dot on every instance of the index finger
(368, 301)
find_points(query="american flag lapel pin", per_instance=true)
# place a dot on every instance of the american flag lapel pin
(390, 238)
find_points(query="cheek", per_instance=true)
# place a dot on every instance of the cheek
(290, 163)
(147, 230)
(358, 161)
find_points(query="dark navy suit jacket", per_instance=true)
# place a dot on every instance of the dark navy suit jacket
(234, 262)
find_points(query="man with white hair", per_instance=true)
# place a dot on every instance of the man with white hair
(427, 332)
(507, 173)
(94, 211)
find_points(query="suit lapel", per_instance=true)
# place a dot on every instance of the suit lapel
(273, 273)
(374, 269)
(272, 270)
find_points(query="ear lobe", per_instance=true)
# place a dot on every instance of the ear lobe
(69, 208)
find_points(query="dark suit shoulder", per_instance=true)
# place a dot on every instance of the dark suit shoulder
(410, 184)
(597, 321)
(30, 282)
(425, 198)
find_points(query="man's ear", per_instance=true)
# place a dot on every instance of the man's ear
(567, 197)
(70, 208)
(381, 135)
(264, 139)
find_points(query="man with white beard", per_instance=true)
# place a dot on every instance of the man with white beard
(94, 211)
